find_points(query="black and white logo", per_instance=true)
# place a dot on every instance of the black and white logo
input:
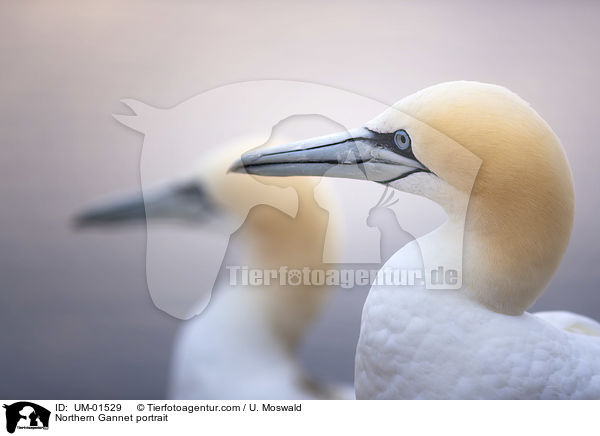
(26, 415)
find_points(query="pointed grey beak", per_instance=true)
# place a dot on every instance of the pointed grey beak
(355, 154)
(182, 201)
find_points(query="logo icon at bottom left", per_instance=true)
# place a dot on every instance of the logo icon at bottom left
(26, 415)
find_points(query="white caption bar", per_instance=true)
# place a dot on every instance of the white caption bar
(23, 417)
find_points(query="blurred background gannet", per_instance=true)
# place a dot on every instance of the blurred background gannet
(481, 146)
(571, 322)
(245, 344)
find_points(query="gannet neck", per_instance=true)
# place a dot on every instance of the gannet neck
(275, 240)
(281, 225)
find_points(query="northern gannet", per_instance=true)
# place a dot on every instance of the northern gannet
(477, 342)
(245, 343)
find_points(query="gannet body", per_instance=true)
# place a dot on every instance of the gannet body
(231, 352)
(245, 343)
(501, 175)
(441, 345)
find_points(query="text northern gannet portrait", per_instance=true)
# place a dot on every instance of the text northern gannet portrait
(477, 342)
(245, 343)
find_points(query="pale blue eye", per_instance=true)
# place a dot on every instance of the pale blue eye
(402, 140)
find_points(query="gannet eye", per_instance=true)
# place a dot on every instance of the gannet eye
(402, 140)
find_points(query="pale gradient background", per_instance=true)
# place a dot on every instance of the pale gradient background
(77, 321)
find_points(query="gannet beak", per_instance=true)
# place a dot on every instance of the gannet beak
(356, 154)
(182, 201)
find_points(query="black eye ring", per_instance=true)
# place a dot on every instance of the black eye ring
(401, 139)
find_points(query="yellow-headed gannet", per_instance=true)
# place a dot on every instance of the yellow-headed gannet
(463, 143)
(245, 344)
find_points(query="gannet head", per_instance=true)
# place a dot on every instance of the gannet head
(520, 201)
(278, 224)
